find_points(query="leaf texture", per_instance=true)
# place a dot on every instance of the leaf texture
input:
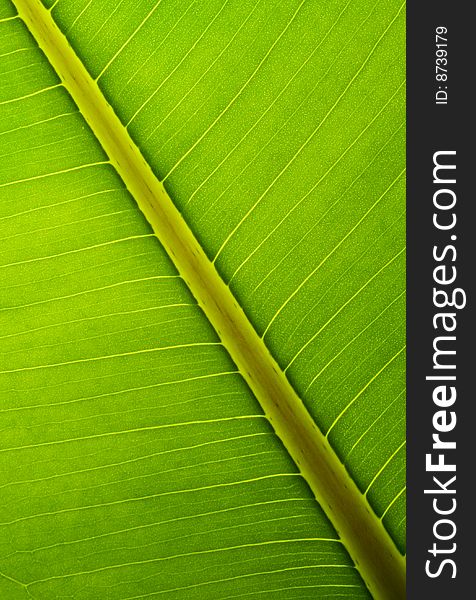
(136, 461)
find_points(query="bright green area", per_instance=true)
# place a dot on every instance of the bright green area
(279, 132)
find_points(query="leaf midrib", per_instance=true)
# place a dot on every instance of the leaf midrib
(380, 564)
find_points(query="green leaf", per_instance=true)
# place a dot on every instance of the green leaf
(162, 379)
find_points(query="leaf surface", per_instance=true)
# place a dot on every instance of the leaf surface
(136, 460)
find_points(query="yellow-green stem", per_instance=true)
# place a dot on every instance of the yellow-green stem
(380, 564)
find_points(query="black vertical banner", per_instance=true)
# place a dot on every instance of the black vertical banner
(441, 331)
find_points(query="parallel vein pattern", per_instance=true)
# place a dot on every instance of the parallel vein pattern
(102, 345)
